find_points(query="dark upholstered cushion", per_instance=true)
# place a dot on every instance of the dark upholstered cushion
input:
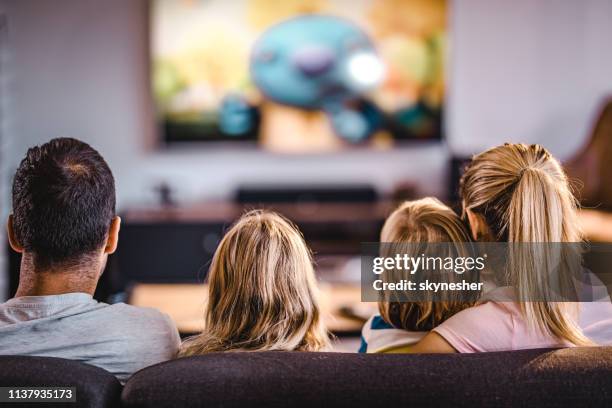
(535, 378)
(95, 387)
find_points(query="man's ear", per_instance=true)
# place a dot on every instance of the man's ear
(13, 242)
(113, 236)
(478, 226)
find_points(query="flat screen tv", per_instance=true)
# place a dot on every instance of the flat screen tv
(299, 76)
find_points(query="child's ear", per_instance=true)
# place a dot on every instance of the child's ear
(478, 226)
(12, 238)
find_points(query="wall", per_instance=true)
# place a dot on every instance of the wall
(4, 169)
(523, 70)
(528, 70)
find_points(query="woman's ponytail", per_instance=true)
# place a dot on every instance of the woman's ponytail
(536, 216)
(524, 196)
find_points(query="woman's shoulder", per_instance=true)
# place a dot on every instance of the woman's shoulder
(486, 327)
(497, 304)
(487, 313)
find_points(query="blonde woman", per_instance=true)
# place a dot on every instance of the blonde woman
(401, 322)
(261, 291)
(519, 194)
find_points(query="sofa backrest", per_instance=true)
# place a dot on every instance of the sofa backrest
(539, 378)
(95, 387)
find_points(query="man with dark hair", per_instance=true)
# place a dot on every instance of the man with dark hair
(64, 225)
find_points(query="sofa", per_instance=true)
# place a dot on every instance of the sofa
(530, 378)
(95, 387)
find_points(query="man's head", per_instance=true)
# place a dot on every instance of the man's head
(63, 206)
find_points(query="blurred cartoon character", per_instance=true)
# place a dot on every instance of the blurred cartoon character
(237, 117)
(321, 63)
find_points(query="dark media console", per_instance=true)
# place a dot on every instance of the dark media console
(171, 245)
(176, 244)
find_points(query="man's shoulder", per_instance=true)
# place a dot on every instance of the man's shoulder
(144, 315)
(143, 326)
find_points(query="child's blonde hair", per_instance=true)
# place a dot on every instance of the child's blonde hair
(524, 196)
(262, 291)
(421, 222)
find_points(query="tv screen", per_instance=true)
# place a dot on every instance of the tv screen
(299, 76)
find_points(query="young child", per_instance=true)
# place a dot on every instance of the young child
(261, 291)
(399, 323)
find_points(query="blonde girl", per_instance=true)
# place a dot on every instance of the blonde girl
(261, 291)
(519, 193)
(400, 323)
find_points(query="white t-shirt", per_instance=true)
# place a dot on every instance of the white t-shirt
(377, 335)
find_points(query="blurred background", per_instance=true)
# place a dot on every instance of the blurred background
(203, 108)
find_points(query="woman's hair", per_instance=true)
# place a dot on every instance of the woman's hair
(408, 230)
(524, 196)
(261, 291)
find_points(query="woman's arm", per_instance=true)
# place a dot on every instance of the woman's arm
(431, 343)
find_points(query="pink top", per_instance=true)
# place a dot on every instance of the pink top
(497, 326)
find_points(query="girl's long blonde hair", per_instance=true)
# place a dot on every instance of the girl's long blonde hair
(262, 293)
(420, 222)
(524, 196)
